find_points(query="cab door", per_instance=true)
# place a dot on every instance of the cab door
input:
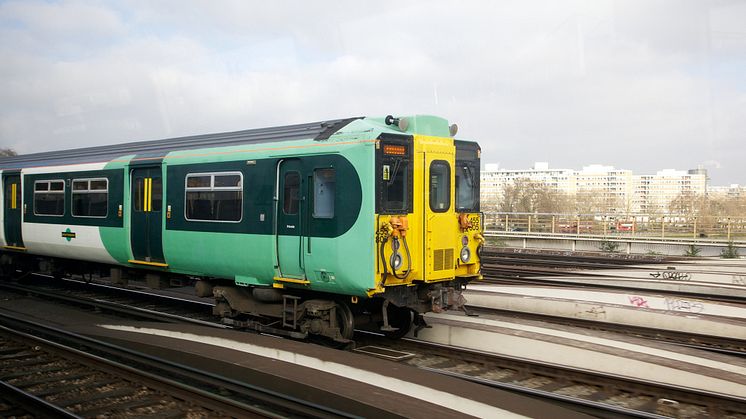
(13, 211)
(146, 215)
(440, 222)
(291, 208)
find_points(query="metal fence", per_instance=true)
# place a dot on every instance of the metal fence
(648, 226)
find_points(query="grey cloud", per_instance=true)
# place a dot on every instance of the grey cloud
(571, 83)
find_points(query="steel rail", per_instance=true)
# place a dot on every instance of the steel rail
(144, 365)
(35, 405)
(598, 409)
(123, 309)
(571, 374)
(734, 347)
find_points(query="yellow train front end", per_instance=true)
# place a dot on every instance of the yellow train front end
(429, 225)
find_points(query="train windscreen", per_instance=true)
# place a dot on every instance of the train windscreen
(467, 176)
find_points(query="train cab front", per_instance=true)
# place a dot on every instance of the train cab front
(470, 220)
(429, 225)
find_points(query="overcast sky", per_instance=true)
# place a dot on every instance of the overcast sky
(641, 85)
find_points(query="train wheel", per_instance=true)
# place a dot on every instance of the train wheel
(401, 318)
(345, 321)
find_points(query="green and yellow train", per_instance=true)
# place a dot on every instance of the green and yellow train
(309, 229)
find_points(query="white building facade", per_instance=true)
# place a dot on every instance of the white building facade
(615, 190)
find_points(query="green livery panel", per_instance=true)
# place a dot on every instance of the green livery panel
(300, 217)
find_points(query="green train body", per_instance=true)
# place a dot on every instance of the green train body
(268, 217)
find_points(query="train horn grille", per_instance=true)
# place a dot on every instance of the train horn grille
(442, 259)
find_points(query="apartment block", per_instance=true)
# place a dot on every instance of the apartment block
(614, 190)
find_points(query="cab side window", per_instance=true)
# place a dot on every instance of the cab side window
(394, 177)
(324, 190)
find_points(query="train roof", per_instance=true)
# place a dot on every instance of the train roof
(342, 129)
(315, 130)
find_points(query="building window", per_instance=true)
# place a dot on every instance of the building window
(324, 191)
(216, 197)
(90, 197)
(49, 197)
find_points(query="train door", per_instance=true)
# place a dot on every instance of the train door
(146, 215)
(291, 205)
(439, 216)
(13, 211)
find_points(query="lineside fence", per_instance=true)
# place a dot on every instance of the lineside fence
(668, 226)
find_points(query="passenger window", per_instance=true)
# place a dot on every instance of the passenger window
(194, 181)
(8, 196)
(139, 193)
(227, 181)
(324, 190)
(440, 186)
(156, 191)
(291, 193)
(49, 197)
(90, 197)
(209, 196)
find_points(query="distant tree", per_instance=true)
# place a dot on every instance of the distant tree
(734, 206)
(687, 203)
(590, 201)
(526, 195)
(7, 152)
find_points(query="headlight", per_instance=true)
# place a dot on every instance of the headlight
(396, 261)
(465, 254)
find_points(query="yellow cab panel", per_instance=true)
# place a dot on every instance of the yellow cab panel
(429, 227)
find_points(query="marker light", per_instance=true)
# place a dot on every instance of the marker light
(394, 150)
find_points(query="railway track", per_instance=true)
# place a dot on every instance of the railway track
(600, 395)
(571, 260)
(48, 368)
(734, 347)
(499, 264)
(70, 383)
(126, 302)
(531, 270)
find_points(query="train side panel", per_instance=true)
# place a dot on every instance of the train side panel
(339, 256)
(320, 229)
(54, 225)
(117, 240)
